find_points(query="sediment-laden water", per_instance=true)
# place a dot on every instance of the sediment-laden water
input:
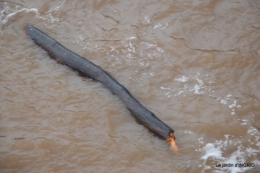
(195, 64)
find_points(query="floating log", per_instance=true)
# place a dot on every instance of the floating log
(75, 61)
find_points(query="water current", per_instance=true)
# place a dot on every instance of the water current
(195, 64)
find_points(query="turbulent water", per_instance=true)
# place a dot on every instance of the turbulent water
(195, 64)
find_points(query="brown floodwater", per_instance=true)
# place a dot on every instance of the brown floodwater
(195, 64)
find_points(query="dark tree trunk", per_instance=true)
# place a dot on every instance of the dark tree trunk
(73, 60)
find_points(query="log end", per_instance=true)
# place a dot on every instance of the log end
(172, 141)
(25, 27)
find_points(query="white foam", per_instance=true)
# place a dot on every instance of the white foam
(159, 50)
(157, 26)
(7, 13)
(199, 81)
(252, 131)
(182, 79)
(231, 101)
(196, 89)
(131, 38)
(188, 132)
(179, 93)
(245, 149)
(229, 95)
(211, 151)
(4, 19)
(214, 153)
(146, 20)
(164, 88)
(130, 47)
(200, 140)
(214, 156)
(244, 122)
(233, 105)
(223, 102)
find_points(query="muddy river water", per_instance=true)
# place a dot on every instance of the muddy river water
(195, 64)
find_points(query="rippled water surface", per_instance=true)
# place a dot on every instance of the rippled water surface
(195, 64)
